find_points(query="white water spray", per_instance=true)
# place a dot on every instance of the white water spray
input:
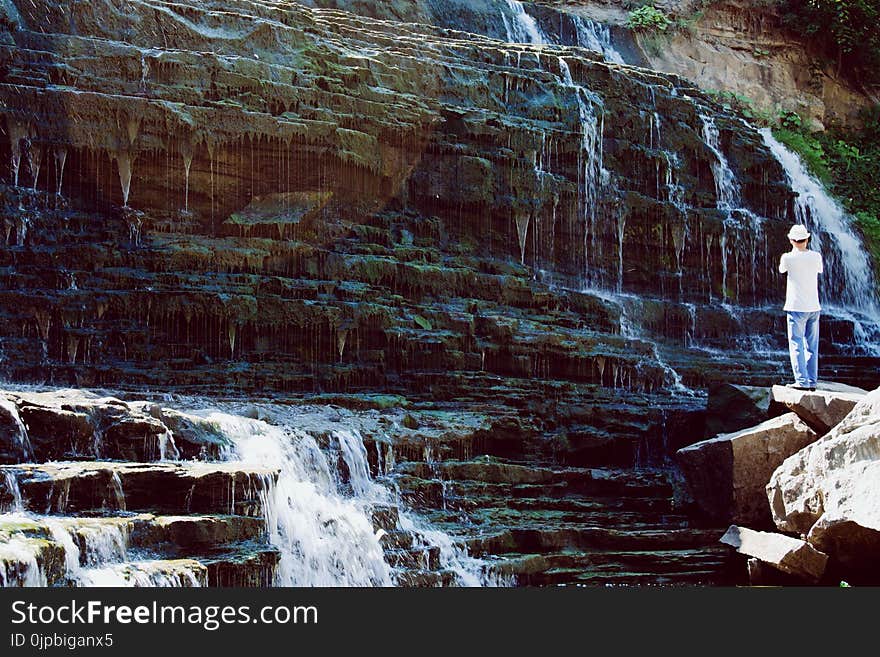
(519, 26)
(850, 279)
(596, 37)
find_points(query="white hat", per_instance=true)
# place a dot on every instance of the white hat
(798, 232)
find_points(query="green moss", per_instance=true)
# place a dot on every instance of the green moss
(847, 161)
(809, 148)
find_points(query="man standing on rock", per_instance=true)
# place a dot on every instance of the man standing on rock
(802, 307)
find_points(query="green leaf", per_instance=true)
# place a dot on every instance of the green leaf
(421, 321)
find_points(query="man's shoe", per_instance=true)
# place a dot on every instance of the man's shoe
(796, 386)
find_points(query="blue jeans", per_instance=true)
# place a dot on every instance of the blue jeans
(803, 347)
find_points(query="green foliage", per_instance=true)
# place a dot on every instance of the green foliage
(847, 160)
(845, 29)
(731, 100)
(648, 19)
(792, 132)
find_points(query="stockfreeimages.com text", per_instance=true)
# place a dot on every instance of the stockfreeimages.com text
(210, 617)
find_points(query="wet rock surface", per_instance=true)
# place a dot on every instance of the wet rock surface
(510, 267)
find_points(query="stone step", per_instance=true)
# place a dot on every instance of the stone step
(195, 534)
(536, 540)
(191, 487)
(476, 499)
(385, 517)
(425, 578)
(397, 539)
(423, 558)
(148, 573)
(251, 566)
(100, 539)
(555, 568)
(494, 471)
(216, 551)
(501, 518)
(435, 492)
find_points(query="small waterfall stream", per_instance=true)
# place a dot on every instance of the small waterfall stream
(319, 516)
(848, 278)
(325, 538)
(596, 37)
(519, 26)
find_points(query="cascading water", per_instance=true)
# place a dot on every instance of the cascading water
(21, 555)
(519, 26)
(596, 37)
(726, 186)
(324, 534)
(145, 574)
(746, 226)
(95, 553)
(23, 439)
(589, 161)
(324, 538)
(848, 279)
(12, 487)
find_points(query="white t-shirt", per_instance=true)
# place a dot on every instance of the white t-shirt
(802, 290)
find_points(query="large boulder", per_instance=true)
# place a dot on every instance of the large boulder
(823, 408)
(790, 555)
(727, 474)
(732, 407)
(829, 492)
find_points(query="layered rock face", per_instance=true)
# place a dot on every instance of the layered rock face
(740, 47)
(303, 495)
(257, 198)
(300, 186)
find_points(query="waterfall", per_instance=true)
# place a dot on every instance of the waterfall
(589, 160)
(325, 539)
(23, 438)
(522, 28)
(14, 490)
(749, 237)
(848, 278)
(116, 491)
(596, 37)
(167, 447)
(324, 532)
(20, 553)
(95, 554)
(628, 304)
(726, 186)
(145, 574)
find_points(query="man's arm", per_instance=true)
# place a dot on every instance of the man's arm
(783, 266)
(820, 267)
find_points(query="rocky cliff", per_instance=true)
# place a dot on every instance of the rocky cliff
(740, 47)
(429, 200)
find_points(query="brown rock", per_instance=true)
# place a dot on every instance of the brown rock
(727, 474)
(790, 555)
(822, 409)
